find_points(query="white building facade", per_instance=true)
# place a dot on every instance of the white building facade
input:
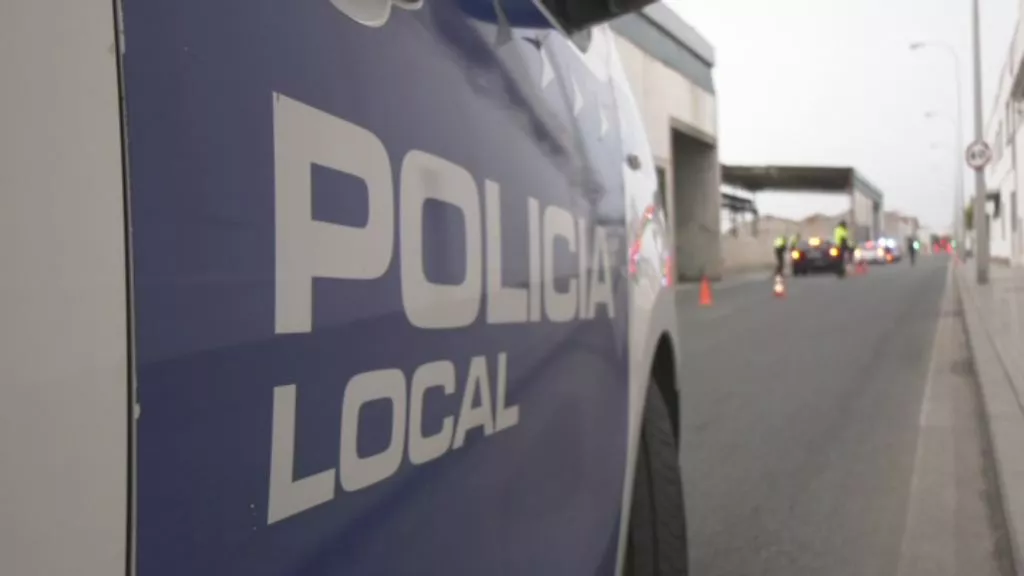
(1004, 176)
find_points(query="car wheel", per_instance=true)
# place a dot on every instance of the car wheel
(656, 544)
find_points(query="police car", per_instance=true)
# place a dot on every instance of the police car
(882, 251)
(815, 254)
(871, 252)
(332, 287)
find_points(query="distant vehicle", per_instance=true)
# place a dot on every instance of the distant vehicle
(815, 255)
(882, 251)
(942, 244)
(893, 249)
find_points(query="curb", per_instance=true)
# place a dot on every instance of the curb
(1003, 416)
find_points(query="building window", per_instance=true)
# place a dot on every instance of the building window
(1013, 211)
(994, 198)
(662, 185)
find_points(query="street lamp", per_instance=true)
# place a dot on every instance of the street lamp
(980, 221)
(958, 194)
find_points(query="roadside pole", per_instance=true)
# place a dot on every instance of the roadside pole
(982, 156)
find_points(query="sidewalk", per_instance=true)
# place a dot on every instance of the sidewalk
(994, 316)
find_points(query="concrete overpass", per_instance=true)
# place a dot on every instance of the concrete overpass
(866, 199)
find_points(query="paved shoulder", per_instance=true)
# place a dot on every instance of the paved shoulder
(954, 519)
(801, 420)
(994, 316)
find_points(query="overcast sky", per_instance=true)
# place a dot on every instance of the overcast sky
(833, 82)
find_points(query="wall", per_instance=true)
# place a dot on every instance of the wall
(896, 225)
(863, 217)
(821, 225)
(746, 251)
(680, 118)
(697, 201)
(1003, 134)
(667, 99)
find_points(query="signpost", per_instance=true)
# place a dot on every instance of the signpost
(981, 248)
(978, 154)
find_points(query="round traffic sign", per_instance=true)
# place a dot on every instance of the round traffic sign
(978, 154)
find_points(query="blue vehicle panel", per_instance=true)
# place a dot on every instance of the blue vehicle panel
(269, 443)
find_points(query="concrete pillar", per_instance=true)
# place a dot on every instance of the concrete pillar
(851, 219)
(876, 220)
(696, 178)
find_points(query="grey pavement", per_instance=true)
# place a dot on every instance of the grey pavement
(994, 315)
(803, 428)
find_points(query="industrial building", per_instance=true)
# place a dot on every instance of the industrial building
(669, 65)
(1003, 175)
(749, 246)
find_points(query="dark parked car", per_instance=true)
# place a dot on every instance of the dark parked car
(815, 255)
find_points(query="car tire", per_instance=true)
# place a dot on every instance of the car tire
(656, 544)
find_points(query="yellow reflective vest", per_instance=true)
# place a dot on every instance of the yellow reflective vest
(841, 236)
(780, 242)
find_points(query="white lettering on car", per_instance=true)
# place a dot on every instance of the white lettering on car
(307, 249)
(429, 305)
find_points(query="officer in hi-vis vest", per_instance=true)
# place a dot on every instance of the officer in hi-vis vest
(780, 253)
(841, 240)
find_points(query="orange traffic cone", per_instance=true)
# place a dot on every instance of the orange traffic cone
(705, 292)
(780, 287)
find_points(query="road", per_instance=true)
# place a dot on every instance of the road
(810, 443)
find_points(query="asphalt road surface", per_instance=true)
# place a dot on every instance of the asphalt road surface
(835, 432)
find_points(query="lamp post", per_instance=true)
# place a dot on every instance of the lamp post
(981, 248)
(958, 191)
